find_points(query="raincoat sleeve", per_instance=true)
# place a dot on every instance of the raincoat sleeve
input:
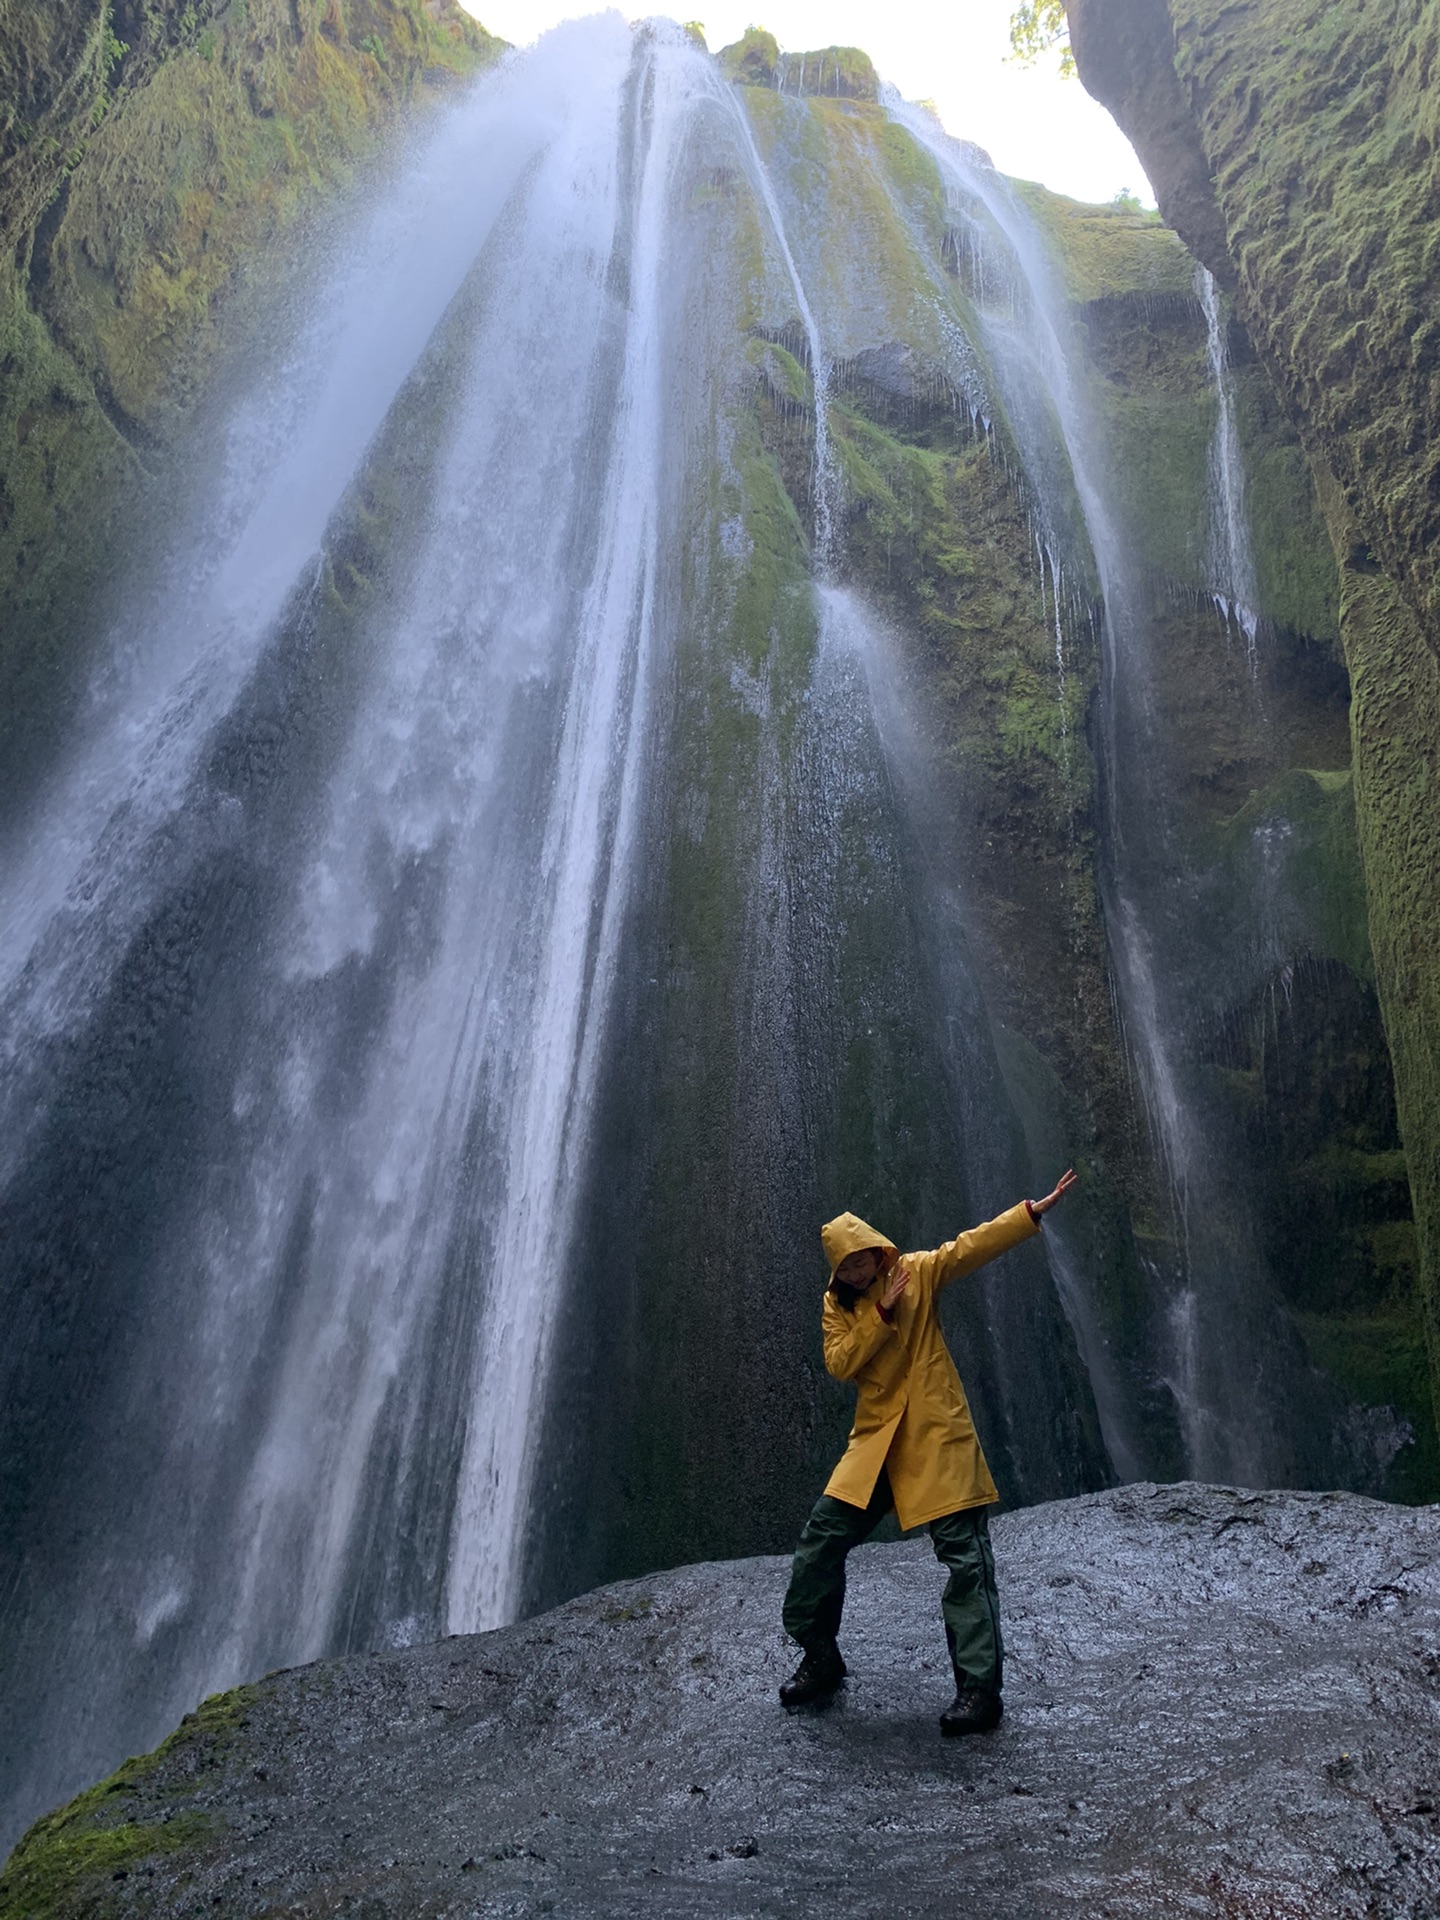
(970, 1250)
(852, 1338)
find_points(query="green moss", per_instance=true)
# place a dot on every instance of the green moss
(913, 527)
(913, 171)
(1396, 723)
(1328, 200)
(62, 1865)
(203, 168)
(869, 194)
(59, 454)
(1159, 452)
(1104, 251)
(839, 73)
(751, 59)
(57, 73)
(788, 381)
(1309, 819)
(1380, 1359)
(1294, 561)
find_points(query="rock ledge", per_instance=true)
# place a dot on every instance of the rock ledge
(1218, 1703)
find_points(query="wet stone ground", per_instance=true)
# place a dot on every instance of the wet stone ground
(1218, 1703)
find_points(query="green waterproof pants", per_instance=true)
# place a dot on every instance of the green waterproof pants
(969, 1605)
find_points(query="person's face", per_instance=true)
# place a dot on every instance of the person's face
(857, 1270)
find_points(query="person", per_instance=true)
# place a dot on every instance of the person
(913, 1446)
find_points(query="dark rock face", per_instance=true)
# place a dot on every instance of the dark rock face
(1218, 1703)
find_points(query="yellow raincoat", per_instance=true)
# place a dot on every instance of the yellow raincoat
(912, 1417)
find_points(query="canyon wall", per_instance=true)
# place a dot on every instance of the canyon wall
(586, 690)
(1293, 147)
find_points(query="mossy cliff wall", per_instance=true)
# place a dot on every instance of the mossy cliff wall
(1293, 146)
(151, 157)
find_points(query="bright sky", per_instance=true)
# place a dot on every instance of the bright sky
(953, 52)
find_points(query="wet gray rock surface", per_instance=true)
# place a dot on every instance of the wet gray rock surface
(1217, 1703)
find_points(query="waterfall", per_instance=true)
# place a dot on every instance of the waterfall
(309, 950)
(501, 892)
(1228, 558)
(1156, 916)
(332, 950)
(867, 736)
(588, 848)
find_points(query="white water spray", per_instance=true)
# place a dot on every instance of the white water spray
(373, 1251)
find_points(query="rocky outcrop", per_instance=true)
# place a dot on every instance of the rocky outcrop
(1293, 147)
(1218, 1704)
(835, 73)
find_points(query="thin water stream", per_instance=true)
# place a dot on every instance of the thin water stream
(1228, 1396)
(1230, 561)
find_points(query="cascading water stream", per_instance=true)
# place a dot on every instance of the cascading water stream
(79, 876)
(823, 537)
(617, 621)
(1229, 557)
(338, 919)
(861, 713)
(1218, 1281)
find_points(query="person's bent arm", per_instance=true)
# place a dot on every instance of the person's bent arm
(853, 1338)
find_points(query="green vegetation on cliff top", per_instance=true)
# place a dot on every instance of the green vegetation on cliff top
(843, 73)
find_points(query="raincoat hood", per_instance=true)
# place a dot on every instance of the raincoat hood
(847, 1233)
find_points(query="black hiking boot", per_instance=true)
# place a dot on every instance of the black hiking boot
(816, 1677)
(973, 1710)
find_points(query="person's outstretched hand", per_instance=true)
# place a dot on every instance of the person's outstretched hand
(1061, 1188)
(895, 1286)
